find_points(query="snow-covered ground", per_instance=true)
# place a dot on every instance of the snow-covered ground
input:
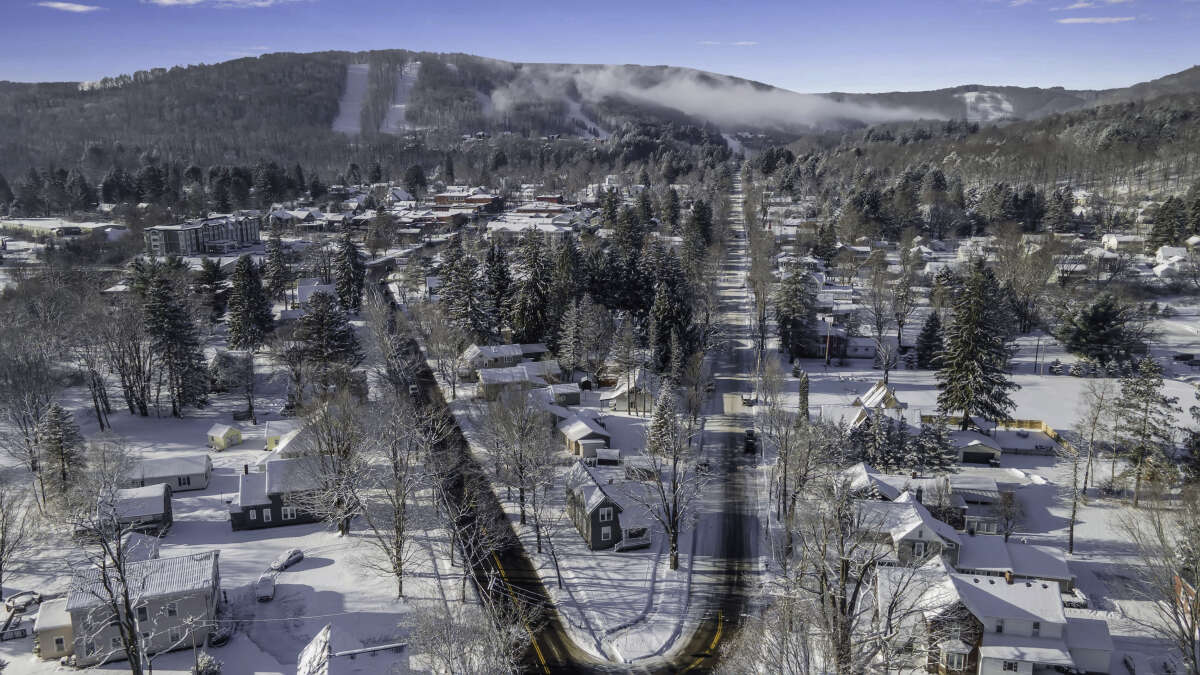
(332, 585)
(394, 122)
(349, 117)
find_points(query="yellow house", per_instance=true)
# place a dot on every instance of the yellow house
(53, 637)
(221, 436)
(277, 431)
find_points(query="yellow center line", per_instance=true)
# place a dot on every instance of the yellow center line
(712, 645)
(532, 637)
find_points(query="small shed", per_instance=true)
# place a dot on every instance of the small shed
(145, 508)
(581, 428)
(565, 394)
(53, 636)
(608, 456)
(275, 430)
(222, 436)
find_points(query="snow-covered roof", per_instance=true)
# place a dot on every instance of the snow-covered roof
(992, 597)
(581, 481)
(219, 430)
(52, 614)
(1088, 633)
(141, 501)
(939, 528)
(863, 477)
(901, 518)
(580, 427)
(1039, 562)
(169, 467)
(1040, 650)
(512, 374)
(295, 474)
(138, 546)
(969, 438)
(252, 491)
(492, 352)
(639, 381)
(880, 395)
(156, 577)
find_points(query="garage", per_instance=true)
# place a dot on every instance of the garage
(977, 457)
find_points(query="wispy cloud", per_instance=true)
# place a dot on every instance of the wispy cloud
(69, 7)
(236, 4)
(1097, 19)
(1090, 4)
(745, 43)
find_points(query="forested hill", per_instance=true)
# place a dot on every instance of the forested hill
(283, 107)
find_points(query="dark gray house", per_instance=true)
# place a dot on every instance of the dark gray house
(269, 498)
(594, 512)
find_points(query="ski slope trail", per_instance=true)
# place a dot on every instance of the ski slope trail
(349, 117)
(395, 121)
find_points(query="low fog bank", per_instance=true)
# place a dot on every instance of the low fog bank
(726, 102)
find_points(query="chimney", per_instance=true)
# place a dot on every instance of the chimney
(1008, 578)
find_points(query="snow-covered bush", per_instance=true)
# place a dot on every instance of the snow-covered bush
(207, 664)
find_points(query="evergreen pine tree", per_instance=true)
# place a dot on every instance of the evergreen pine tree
(176, 344)
(1145, 419)
(628, 358)
(327, 336)
(971, 373)
(795, 313)
(61, 446)
(349, 275)
(802, 391)
(672, 210)
(934, 448)
(570, 340)
(250, 316)
(675, 365)
(464, 296)
(529, 314)
(660, 437)
(497, 283)
(277, 276)
(929, 342)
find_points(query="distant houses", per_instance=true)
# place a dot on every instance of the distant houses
(213, 235)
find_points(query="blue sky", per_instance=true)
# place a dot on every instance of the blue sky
(842, 45)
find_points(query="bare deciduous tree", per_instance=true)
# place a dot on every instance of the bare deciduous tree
(15, 533)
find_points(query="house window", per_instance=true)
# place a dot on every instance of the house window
(289, 512)
(999, 625)
(185, 481)
(142, 614)
(918, 549)
(267, 515)
(606, 514)
(1037, 628)
(1010, 666)
(605, 533)
(60, 644)
(954, 661)
(253, 514)
(172, 609)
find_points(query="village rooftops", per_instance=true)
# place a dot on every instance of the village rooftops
(157, 577)
(990, 553)
(511, 375)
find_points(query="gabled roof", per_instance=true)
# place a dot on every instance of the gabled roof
(141, 502)
(880, 395)
(168, 467)
(252, 491)
(295, 474)
(581, 482)
(1040, 650)
(992, 597)
(580, 427)
(219, 429)
(157, 577)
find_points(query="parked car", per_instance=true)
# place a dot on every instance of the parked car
(264, 588)
(22, 601)
(287, 559)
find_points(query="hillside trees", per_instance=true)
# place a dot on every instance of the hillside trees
(795, 313)
(349, 275)
(327, 340)
(175, 344)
